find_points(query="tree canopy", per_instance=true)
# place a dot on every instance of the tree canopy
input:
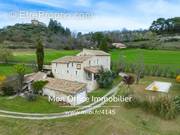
(101, 40)
(56, 27)
(20, 70)
(5, 54)
(166, 26)
(38, 86)
(105, 79)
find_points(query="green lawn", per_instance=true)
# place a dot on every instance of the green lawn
(166, 58)
(160, 57)
(41, 105)
(124, 122)
(30, 56)
(163, 57)
(7, 69)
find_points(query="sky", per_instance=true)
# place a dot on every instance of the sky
(89, 15)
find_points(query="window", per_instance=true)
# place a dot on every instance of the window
(67, 71)
(72, 64)
(89, 62)
(76, 72)
(78, 66)
(89, 76)
(97, 61)
(68, 65)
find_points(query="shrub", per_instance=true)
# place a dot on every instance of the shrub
(165, 72)
(178, 79)
(177, 72)
(147, 70)
(38, 85)
(128, 80)
(132, 68)
(8, 91)
(158, 71)
(154, 70)
(5, 54)
(177, 103)
(165, 107)
(170, 74)
(127, 68)
(105, 79)
(2, 79)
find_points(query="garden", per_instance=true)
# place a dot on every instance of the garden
(164, 105)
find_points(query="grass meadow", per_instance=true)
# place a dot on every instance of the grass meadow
(40, 105)
(163, 58)
(8, 69)
(124, 121)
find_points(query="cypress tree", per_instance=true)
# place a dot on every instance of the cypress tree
(40, 54)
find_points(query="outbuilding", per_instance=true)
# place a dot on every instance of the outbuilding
(67, 91)
(119, 45)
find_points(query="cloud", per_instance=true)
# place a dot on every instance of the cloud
(106, 8)
(104, 23)
(109, 15)
(161, 8)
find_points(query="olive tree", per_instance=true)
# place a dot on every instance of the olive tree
(20, 70)
(5, 54)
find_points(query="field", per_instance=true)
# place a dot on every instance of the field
(8, 69)
(29, 56)
(170, 59)
(124, 122)
(41, 105)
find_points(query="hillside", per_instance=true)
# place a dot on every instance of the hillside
(25, 35)
(22, 35)
(161, 35)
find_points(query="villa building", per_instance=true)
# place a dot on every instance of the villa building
(74, 76)
(82, 68)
